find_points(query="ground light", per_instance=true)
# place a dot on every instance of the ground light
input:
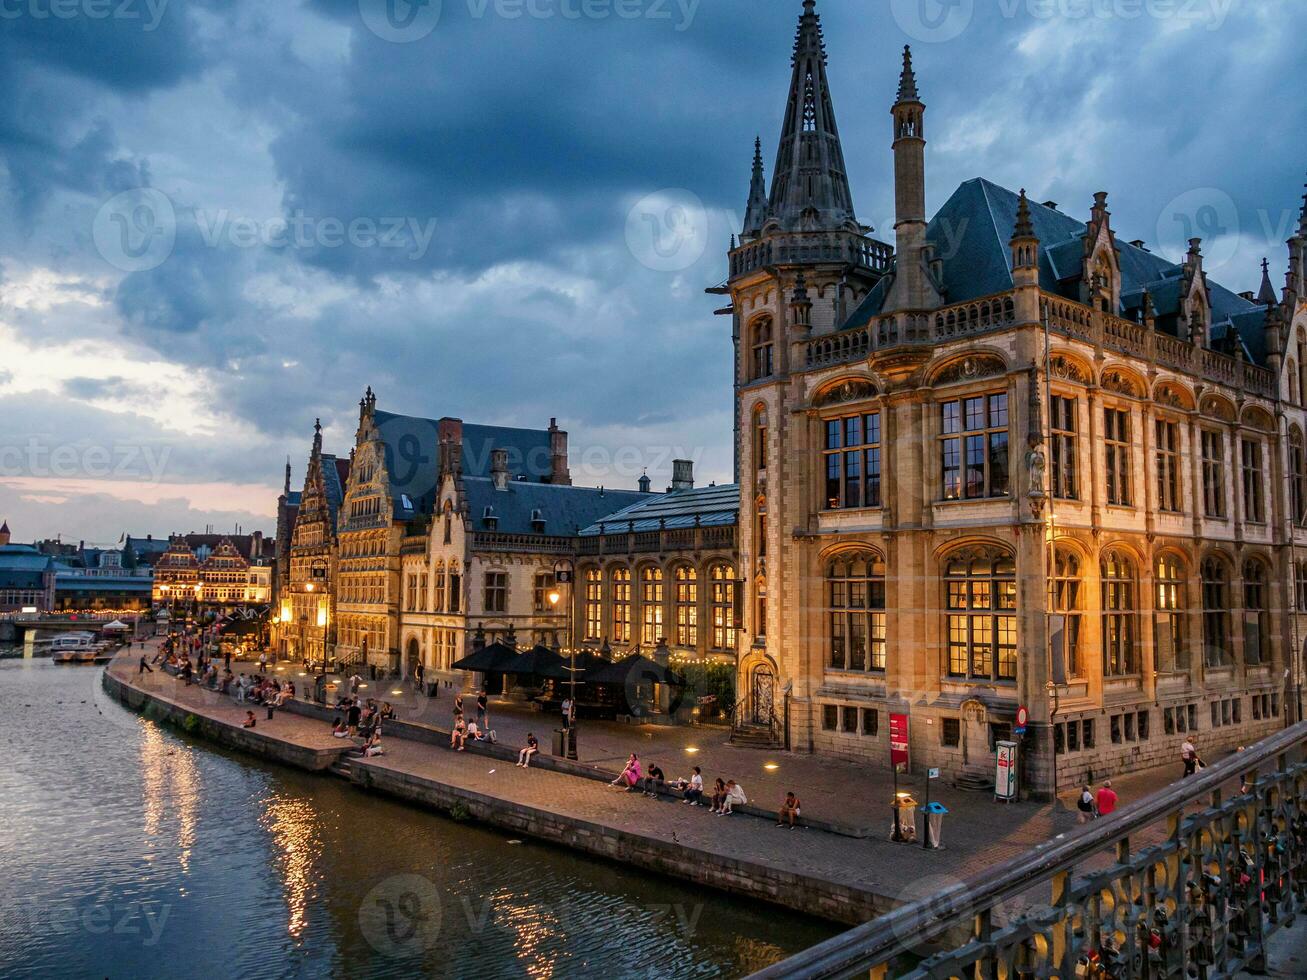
(398, 690)
(770, 766)
(691, 749)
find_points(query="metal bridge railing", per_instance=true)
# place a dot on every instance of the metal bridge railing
(1199, 904)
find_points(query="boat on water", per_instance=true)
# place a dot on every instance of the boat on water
(80, 647)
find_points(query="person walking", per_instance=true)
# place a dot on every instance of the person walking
(1107, 799)
(1189, 756)
(567, 713)
(419, 672)
(482, 703)
(1085, 805)
(144, 668)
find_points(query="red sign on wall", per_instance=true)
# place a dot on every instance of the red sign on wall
(898, 740)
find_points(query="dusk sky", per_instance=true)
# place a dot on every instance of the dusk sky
(220, 219)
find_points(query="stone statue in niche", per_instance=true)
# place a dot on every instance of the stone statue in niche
(1036, 468)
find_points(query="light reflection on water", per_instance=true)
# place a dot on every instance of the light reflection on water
(127, 850)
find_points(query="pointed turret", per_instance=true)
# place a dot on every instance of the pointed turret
(914, 287)
(810, 186)
(4, 533)
(1266, 292)
(755, 213)
(286, 486)
(1024, 246)
(800, 304)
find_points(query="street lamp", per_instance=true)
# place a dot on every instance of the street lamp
(565, 576)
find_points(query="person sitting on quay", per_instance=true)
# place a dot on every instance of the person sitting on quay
(789, 810)
(629, 778)
(654, 782)
(692, 787)
(338, 728)
(249, 720)
(531, 748)
(458, 737)
(387, 711)
(481, 734)
(734, 797)
(718, 795)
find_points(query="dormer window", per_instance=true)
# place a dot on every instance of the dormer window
(538, 521)
(489, 519)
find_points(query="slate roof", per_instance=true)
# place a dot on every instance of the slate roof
(971, 233)
(566, 510)
(103, 583)
(713, 506)
(22, 567)
(412, 448)
(293, 498)
(335, 474)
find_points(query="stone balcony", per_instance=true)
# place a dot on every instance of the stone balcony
(1065, 318)
(808, 248)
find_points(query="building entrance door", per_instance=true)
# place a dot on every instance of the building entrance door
(763, 694)
(975, 736)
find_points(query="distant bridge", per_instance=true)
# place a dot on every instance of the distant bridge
(16, 630)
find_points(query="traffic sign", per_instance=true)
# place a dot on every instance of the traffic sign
(1022, 716)
(932, 774)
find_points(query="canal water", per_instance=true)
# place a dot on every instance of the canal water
(129, 850)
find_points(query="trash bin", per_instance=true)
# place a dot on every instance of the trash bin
(905, 819)
(433, 689)
(932, 822)
(560, 742)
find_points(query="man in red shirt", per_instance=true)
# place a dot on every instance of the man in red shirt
(1106, 799)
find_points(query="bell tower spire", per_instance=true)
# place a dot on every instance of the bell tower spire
(810, 185)
(756, 212)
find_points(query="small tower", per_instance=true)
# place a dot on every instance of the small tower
(1193, 297)
(912, 288)
(4, 533)
(1024, 246)
(800, 305)
(755, 213)
(644, 483)
(285, 488)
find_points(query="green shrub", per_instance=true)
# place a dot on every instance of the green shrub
(459, 811)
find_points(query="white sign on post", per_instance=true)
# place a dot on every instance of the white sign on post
(932, 774)
(1005, 771)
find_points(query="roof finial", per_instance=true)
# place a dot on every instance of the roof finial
(1266, 293)
(907, 80)
(1024, 227)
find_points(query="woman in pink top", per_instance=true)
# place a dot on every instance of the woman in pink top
(630, 776)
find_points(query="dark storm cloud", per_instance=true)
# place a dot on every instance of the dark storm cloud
(520, 144)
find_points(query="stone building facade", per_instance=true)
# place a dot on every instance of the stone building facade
(217, 571)
(1011, 460)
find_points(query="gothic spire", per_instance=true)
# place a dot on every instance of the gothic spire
(1266, 293)
(755, 214)
(1302, 216)
(286, 486)
(810, 186)
(1024, 228)
(908, 80)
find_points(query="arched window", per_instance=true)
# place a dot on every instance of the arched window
(762, 350)
(651, 605)
(543, 585)
(1065, 599)
(722, 599)
(760, 606)
(621, 605)
(593, 602)
(1256, 628)
(1293, 382)
(855, 591)
(1172, 653)
(981, 596)
(1216, 613)
(687, 606)
(1120, 655)
(760, 527)
(760, 438)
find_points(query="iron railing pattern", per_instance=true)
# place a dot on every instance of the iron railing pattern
(1198, 903)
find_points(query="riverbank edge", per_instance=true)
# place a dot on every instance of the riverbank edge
(808, 894)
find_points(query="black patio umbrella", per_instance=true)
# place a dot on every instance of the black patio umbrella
(540, 662)
(493, 659)
(635, 669)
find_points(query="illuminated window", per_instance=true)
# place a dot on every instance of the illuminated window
(722, 580)
(1120, 656)
(687, 606)
(981, 598)
(855, 591)
(651, 605)
(621, 605)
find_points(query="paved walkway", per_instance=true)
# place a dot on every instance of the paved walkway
(978, 831)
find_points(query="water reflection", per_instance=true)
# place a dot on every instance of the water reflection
(251, 871)
(291, 823)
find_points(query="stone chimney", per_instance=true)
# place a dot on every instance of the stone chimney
(558, 471)
(450, 434)
(499, 468)
(682, 474)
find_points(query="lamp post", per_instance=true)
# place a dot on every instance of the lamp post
(564, 576)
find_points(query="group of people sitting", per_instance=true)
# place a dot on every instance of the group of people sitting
(725, 797)
(478, 731)
(359, 719)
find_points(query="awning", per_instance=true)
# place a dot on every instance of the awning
(636, 669)
(541, 662)
(493, 659)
